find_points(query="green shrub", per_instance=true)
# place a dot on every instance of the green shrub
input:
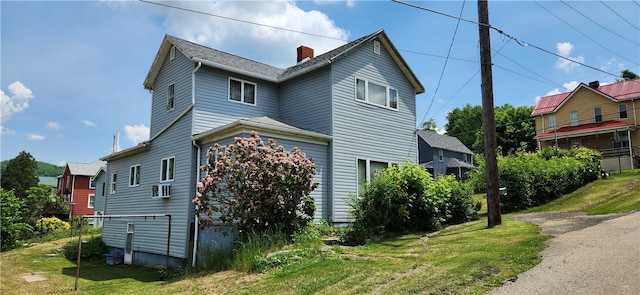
(92, 249)
(461, 205)
(51, 224)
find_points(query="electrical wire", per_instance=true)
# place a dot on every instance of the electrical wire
(620, 16)
(598, 24)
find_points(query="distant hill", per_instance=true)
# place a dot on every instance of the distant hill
(43, 169)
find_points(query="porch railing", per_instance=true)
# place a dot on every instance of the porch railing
(615, 152)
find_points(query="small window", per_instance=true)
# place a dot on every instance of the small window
(367, 170)
(134, 175)
(242, 91)
(114, 178)
(376, 47)
(92, 183)
(168, 165)
(440, 155)
(376, 94)
(465, 158)
(552, 121)
(597, 115)
(172, 53)
(622, 109)
(574, 118)
(104, 187)
(92, 201)
(171, 96)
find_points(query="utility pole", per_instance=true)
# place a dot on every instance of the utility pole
(488, 118)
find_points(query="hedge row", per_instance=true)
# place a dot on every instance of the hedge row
(533, 179)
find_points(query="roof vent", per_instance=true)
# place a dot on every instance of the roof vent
(304, 52)
(594, 84)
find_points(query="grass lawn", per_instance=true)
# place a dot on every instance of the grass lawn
(462, 259)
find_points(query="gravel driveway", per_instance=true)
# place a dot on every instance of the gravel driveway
(589, 255)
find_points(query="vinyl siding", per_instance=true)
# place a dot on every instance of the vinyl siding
(317, 152)
(306, 101)
(151, 235)
(178, 72)
(213, 107)
(366, 131)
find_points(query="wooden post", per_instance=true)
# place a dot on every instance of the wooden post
(79, 252)
(488, 118)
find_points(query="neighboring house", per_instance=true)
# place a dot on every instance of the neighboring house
(600, 117)
(76, 182)
(443, 154)
(351, 110)
(100, 180)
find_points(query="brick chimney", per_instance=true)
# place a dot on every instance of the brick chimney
(304, 52)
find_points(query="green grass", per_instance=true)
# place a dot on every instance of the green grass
(620, 192)
(461, 259)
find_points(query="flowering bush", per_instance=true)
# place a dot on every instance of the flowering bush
(51, 224)
(257, 187)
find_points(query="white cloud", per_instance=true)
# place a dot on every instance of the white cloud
(17, 102)
(565, 49)
(62, 163)
(6, 131)
(89, 123)
(136, 133)
(35, 137)
(53, 125)
(350, 3)
(232, 19)
(568, 86)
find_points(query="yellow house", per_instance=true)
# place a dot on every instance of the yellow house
(601, 117)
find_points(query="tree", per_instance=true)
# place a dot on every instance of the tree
(20, 174)
(627, 75)
(464, 124)
(257, 187)
(12, 226)
(515, 130)
(429, 125)
(42, 200)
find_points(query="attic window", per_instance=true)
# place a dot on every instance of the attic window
(376, 47)
(172, 53)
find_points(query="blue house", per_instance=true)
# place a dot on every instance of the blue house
(352, 110)
(443, 154)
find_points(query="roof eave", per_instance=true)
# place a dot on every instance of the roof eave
(246, 126)
(144, 146)
(234, 70)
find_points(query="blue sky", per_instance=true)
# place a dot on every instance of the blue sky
(72, 71)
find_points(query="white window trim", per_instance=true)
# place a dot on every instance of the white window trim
(89, 200)
(135, 181)
(626, 111)
(172, 53)
(113, 183)
(162, 177)
(242, 82)
(552, 121)
(366, 94)
(440, 155)
(171, 98)
(92, 181)
(595, 115)
(571, 121)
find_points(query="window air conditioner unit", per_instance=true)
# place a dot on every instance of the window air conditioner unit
(161, 191)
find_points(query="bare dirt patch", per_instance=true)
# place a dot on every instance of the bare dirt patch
(556, 223)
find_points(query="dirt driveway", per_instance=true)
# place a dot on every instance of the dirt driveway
(589, 255)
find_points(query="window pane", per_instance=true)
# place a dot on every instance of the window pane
(132, 175)
(163, 175)
(249, 93)
(623, 111)
(376, 167)
(360, 90)
(552, 121)
(377, 94)
(393, 98)
(171, 164)
(598, 114)
(574, 118)
(362, 172)
(235, 89)
(137, 175)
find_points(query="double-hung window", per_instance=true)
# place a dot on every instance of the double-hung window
(167, 169)
(597, 115)
(91, 201)
(622, 110)
(368, 169)
(552, 121)
(134, 175)
(376, 94)
(574, 118)
(114, 178)
(171, 95)
(242, 91)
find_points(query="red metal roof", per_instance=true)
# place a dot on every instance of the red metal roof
(585, 128)
(619, 91)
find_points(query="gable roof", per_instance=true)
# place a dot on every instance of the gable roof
(620, 91)
(444, 142)
(218, 59)
(84, 169)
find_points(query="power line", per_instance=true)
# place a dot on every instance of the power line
(520, 42)
(240, 20)
(598, 24)
(581, 33)
(607, 6)
(453, 38)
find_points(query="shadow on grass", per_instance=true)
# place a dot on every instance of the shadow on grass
(99, 271)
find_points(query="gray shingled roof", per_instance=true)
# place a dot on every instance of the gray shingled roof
(444, 142)
(85, 169)
(234, 63)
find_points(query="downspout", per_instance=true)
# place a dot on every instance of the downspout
(630, 147)
(635, 118)
(195, 215)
